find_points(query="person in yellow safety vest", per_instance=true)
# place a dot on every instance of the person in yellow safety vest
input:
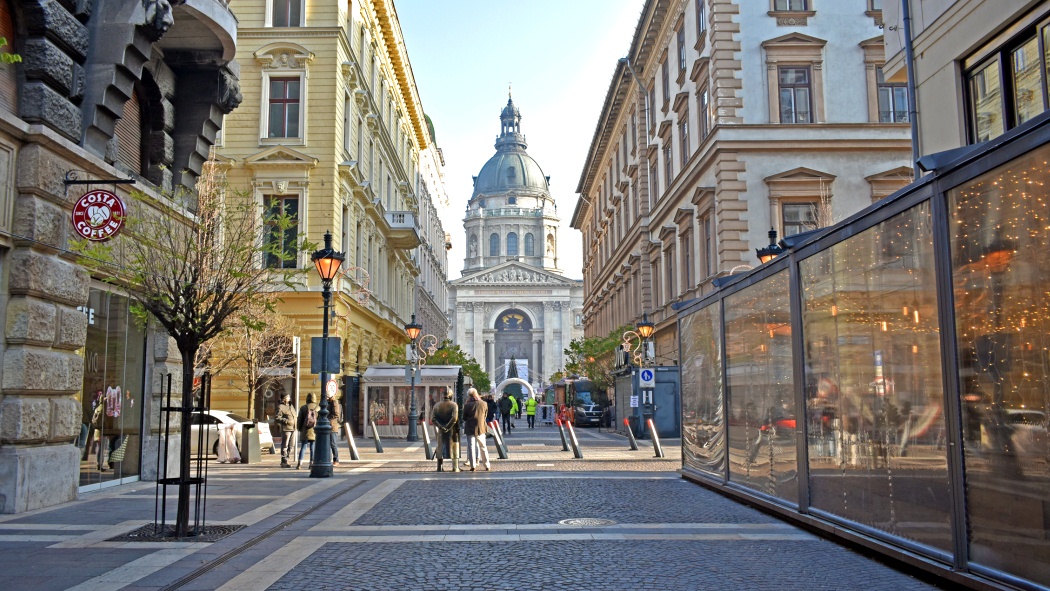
(530, 411)
(513, 410)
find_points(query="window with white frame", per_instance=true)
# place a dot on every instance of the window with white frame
(795, 90)
(799, 217)
(284, 112)
(282, 231)
(286, 13)
(790, 5)
(701, 17)
(893, 99)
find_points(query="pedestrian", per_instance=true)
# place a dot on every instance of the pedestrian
(474, 412)
(519, 406)
(514, 409)
(286, 421)
(306, 422)
(445, 417)
(530, 411)
(335, 417)
(505, 407)
(493, 411)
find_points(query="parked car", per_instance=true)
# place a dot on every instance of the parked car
(210, 421)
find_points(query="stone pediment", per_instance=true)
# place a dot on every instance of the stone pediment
(280, 157)
(513, 274)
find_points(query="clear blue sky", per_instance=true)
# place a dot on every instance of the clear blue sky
(559, 56)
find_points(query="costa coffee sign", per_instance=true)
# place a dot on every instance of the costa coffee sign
(98, 215)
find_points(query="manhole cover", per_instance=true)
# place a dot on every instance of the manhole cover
(586, 522)
(149, 533)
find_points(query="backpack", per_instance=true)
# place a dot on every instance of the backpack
(311, 418)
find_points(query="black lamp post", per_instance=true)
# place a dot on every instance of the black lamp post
(645, 330)
(768, 253)
(412, 329)
(327, 262)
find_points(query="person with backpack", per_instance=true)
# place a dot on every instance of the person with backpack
(306, 422)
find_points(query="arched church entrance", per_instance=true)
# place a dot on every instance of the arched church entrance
(513, 339)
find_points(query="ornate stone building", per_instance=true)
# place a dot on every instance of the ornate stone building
(107, 90)
(512, 301)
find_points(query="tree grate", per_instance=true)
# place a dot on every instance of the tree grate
(150, 533)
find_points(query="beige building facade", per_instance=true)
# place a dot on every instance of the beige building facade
(332, 131)
(726, 119)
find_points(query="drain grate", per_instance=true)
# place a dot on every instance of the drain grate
(586, 522)
(148, 533)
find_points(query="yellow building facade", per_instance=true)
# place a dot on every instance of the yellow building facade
(331, 130)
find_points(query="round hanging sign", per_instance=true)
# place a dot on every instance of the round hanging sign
(98, 215)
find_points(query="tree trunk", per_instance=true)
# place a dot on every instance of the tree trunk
(182, 515)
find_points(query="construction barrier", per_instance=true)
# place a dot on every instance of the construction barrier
(575, 444)
(350, 442)
(375, 435)
(630, 435)
(656, 440)
(561, 431)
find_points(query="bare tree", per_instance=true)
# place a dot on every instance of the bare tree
(194, 261)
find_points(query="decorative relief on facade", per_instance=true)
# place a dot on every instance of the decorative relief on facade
(513, 276)
(792, 21)
(284, 58)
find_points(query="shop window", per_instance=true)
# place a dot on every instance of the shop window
(999, 238)
(287, 13)
(703, 442)
(282, 213)
(494, 245)
(512, 244)
(760, 396)
(530, 245)
(873, 389)
(893, 99)
(795, 90)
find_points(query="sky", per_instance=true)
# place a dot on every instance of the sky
(558, 56)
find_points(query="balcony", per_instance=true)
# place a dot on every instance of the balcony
(202, 25)
(401, 230)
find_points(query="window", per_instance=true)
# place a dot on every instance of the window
(654, 180)
(652, 109)
(360, 138)
(512, 200)
(494, 245)
(287, 13)
(703, 113)
(512, 244)
(282, 213)
(634, 133)
(986, 103)
(668, 162)
(893, 100)
(687, 262)
(345, 242)
(1027, 81)
(707, 254)
(128, 131)
(530, 245)
(799, 217)
(669, 266)
(874, 5)
(683, 137)
(792, 5)
(665, 81)
(284, 107)
(701, 18)
(681, 49)
(347, 118)
(795, 95)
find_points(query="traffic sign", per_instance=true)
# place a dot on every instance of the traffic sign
(331, 387)
(647, 379)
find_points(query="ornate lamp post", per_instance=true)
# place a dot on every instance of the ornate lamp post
(770, 252)
(412, 329)
(640, 355)
(327, 262)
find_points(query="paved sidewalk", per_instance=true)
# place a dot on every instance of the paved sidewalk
(617, 519)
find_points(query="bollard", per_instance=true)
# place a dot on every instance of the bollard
(561, 431)
(427, 449)
(351, 443)
(500, 449)
(656, 440)
(375, 435)
(575, 444)
(630, 436)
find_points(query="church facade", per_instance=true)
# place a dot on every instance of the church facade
(512, 301)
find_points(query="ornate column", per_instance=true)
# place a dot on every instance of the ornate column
(490, 360)
(479, 332)
(548, 335)
(536, 363)
(565, 334)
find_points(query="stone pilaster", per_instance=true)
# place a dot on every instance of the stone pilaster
(479, 334)
(548, 333)
(166, 359)
(730, 211)
(727, 88)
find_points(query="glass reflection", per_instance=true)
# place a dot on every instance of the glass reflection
(703, 435)
(759, 381)
(999, 229)
(873, 382)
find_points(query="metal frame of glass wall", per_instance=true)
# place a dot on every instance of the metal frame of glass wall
(887, 379)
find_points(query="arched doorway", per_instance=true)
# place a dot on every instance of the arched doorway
(513, 340)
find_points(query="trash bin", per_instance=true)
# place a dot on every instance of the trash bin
(250, 453)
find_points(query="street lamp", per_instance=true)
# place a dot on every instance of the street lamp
(327, 261)
(412, 329)
(770, 252)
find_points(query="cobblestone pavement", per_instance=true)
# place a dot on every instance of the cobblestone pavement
(389, 521)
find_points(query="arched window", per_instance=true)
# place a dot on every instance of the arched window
(494, 245)
(512, 244)
(530, 245)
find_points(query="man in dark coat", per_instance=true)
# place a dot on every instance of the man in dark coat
(445, 418)
(505, 406)
(335, 417)
(306, 422)
(286, 418)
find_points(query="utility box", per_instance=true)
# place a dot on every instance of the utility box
(250, 453)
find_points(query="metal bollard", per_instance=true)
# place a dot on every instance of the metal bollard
(375, 435)
(575, 444)
(561, 431)
(656, 440)
(630, 435)
(350, 442)
(428, 450)
(501, 449)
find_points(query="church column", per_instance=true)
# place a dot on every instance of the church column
(479, 333)
(548, 335)
(490, 360)
(460, 321)
(566, 336)
(536, 360)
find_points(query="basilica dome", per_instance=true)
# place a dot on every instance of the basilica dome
(511, 168)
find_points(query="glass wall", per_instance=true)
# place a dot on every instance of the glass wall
(1000, 230)
(874, 394)
(759, 386)
(111, 398)
(703, 434)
